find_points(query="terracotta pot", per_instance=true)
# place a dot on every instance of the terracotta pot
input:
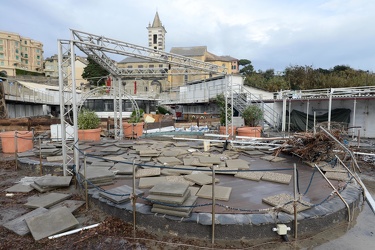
(89, 134)
(132, 130)
(249, 131)
(231, 131)
(24, 141)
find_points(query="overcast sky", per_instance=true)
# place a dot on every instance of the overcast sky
(271, 33)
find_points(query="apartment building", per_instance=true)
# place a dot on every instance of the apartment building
(18, 52)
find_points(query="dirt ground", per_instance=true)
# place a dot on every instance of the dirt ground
(116, 234)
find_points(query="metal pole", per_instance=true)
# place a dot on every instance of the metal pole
(213, 206)
(134, 199)
(226, 106)
(314, 122)
(295, 200)
(40, 156)
(354, 111)
(329, 110)
(335, 190)
(84, 174)
(284, 114)
(290, 107)
(16, 148)
(307, 115)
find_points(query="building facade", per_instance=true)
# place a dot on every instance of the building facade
(18, 52)
(157, 41)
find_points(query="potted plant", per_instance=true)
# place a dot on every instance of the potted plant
(134, 128)
(220, 100)
(252, 116)
(88, 126)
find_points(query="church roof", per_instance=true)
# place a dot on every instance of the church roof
(133, 60)
(157, 22)
(213, 57)
(189, 51)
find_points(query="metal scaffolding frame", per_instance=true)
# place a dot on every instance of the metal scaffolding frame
(96, 47)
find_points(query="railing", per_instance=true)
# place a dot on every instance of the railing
(17, 92)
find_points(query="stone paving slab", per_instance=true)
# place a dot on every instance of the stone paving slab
(182, 169)
(169, 161)
(47, 200)
(181, 144)
(83, 147)
(169, 189)
(149, 152)
(120, 194)
(280, 200)
(237, 163)
(190, 201)
(72, 205)
(123, 169)
(226, 170)
(179, 179)
(221, 192)
(19, 225)
(277, 177)
(26, 154)
(272, 158)
(194, 190)
(111, 149)
(55, 158)
(54, 181)
(200, 179)
(145, 158)
(116, 158)
(214, 160)
(253, 152)
(337, 176)
(41, 189)
(196, 162)
(149, 182)
(19, 188)
(124, 144)
(147, 172)
(253, 176)
(169, 199)
(171, 153)
(171, 212)
(102, 164)
(337, 169)
(50, 223)
(93, 159)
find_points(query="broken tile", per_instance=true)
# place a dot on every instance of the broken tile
(284, 201)
(237, 163)
(277, 177)
(221, 193)
(147, 172)
(54, 181)
(72, 205)
(254, 175)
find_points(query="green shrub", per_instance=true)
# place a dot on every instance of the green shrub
(134, 118)
(252, 115)
(88, 119)
(161, 110)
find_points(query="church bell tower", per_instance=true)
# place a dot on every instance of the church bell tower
(156, 34)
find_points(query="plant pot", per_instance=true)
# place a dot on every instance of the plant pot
(24, 141)
(231, 130)
(249, 131)
(132, 130)
(89, 134)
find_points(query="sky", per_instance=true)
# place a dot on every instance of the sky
(272, 34)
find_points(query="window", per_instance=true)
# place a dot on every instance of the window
(25, 42)
(17, 51)
(17, 44)
(155, 38)
(151, 66)
(140, 66)
(1, 41)
(130, 66)
(160, 65)
(38, 57)
(26, 56)
(37, 50)
(234, 66)
(1, 56)
(1, 48)
(38, 63)
(17, 58)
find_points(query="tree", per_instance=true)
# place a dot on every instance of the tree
(247, 68)
(94, 70)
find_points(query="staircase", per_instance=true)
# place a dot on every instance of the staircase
(243, 98)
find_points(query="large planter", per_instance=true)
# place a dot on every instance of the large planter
(132, 130)
(231, 130)
(249, 131)
(24, 141)
(89, 134)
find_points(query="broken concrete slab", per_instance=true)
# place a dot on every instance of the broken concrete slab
(19, 225)
(147, 172)
(185, 207)
(94, 174)
(54, 181)
(337, 176)
(102, 164)
(237, 163)
(169, 189)
(149, 152)
(149, 182)
(284, 201)
(194, 190)
(93, 159)
(182, 169)
(19, 188)
(253, 176)
(123, 169)
(214, 160)
(226, 170)
(50, 223)
(120, 194)
(47, 200)
(272, 158)
(277, 177)
(26, 154)
(41, 189)
(221, 193)
(72, 205)
(253, 152)
(197, 163)
(111, 149)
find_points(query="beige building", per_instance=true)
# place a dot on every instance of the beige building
(51, 69)
(156, 40)
(20, 53)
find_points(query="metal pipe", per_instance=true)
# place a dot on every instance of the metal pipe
(295, 200)
(354, 111)
(40, 157)
(84, 174)
(355, 177)
(314, 122)
(16, 149)
(335, 190)
(134, 200)
(213, 206)
(73, 231)
(329, 109)
(307, 115)
(343, 146)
